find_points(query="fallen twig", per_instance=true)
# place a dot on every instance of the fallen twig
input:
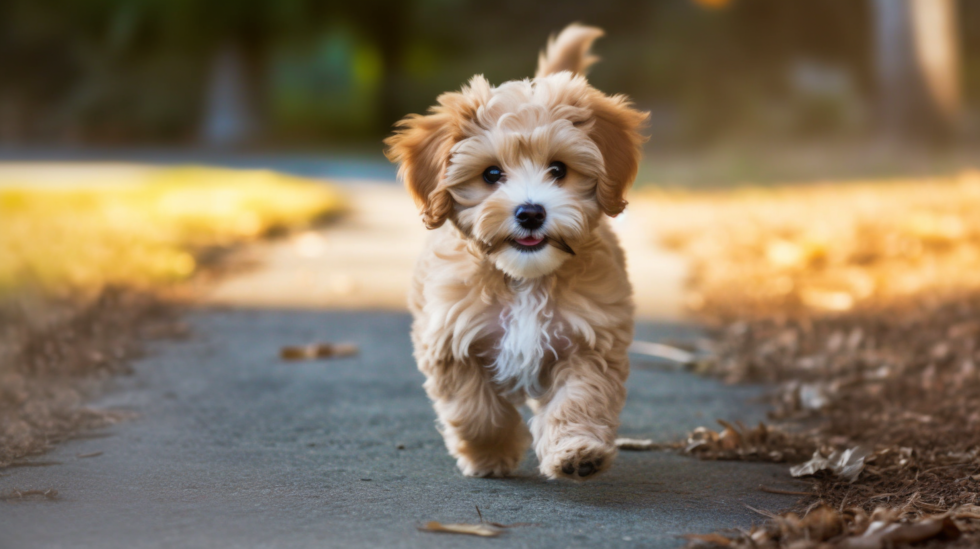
(499, 525)
(51, 493)
(767, 514)
(783, 492)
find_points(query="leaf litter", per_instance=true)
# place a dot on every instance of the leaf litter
(56, 353)
(890, 421)
(861, 303)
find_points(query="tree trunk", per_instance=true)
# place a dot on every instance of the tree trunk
(388, 30)
(232, 115)
(917, 69)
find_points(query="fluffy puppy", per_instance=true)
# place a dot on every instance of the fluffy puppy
(521, 292)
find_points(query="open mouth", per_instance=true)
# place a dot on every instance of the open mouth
(529, 243)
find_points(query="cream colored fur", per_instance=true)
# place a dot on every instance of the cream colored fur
(496, 325)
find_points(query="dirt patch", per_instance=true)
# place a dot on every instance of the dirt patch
(54, 356)
(829, 248)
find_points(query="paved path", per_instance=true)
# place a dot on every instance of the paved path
(233, 448)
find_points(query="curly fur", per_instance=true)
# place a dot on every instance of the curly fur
(495, 325)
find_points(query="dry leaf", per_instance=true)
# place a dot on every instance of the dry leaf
(482, 530)
(318, 350)
(701, 437)
(846, 465)
(739, 442)
(21, 494)
(822, 523)
(967, 512)
(661, 351)
(883, 534)
(730, 438)
(710, 540)
(639, 444)
(813, 396)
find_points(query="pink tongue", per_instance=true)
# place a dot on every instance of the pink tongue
(530, 241)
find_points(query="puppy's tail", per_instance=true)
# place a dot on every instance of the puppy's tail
(569, 51)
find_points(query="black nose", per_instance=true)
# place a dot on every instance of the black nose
(530, 216)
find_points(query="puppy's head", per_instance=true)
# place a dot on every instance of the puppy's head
(525, 169)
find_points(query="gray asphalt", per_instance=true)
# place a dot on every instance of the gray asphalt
(233, 448)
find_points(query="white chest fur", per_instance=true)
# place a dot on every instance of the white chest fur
(532, 334)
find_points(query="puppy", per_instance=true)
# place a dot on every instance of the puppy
(521, 294)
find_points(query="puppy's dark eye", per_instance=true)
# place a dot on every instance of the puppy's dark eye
(558, 169)
(492, 174)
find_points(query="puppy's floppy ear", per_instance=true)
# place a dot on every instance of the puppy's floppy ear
(422, 145)
(616, 130)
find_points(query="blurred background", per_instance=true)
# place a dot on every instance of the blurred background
(307, 76)
(810, 189)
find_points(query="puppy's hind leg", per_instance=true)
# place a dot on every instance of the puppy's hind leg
(575, 428)
(482, 429)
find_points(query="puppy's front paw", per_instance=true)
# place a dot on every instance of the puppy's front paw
(498, 458)
(578, 459)
(486, 468)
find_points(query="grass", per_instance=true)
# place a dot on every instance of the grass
(147, 232)
(841, 246)
(80, 266)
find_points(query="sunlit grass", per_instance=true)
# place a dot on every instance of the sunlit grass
(148, 232)
(831, 247)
